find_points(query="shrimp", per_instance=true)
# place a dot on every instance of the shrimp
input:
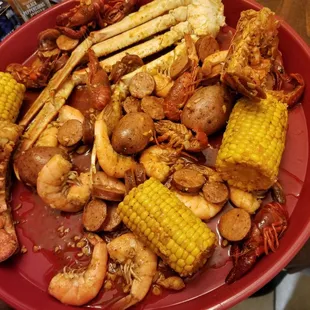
(138, 264)
(171, 283)
(112, 163)
(67, 113)
(78, 288)
(49, 136)
(244, 200)
(61, 188)
(200, 206)
(157, 160)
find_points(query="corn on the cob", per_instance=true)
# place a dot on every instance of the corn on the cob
(162, 222)
(253, 143)
(11, 97)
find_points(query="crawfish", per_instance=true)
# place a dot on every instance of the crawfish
(35, 76)
(294, 82)
(268, 226)
(98, 85)
(184, 86)
(95, 12)
(179, 136)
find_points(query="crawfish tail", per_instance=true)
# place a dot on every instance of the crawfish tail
(242, 265)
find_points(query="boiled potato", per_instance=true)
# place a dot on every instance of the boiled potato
(208, 109)
(30, 163)
(132, 133)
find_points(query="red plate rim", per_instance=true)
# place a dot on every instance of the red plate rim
(246, 286)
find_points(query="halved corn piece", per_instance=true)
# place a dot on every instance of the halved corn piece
(253, 143)
(163, 223)
(11, 97)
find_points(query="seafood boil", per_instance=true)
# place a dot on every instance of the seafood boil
(158, 86)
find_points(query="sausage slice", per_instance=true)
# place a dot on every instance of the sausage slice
(188, 180)
(215, 192)
(88, 132)
(206, 46)
(153, 106)
(235, 224)
(65, 43)
(112, 220)
(141, 85)
(94, 215)
(70, 133)
(132, 105)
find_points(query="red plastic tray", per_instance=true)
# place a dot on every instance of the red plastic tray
(24, 278)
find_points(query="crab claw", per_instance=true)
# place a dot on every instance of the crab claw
(292, 97)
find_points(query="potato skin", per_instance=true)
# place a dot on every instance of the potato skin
(30, 163)
(132, 133)
(208, 109)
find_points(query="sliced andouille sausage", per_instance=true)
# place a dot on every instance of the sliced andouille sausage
(215, 192)
(130, 180)
(106, 193)
(153, 106)
(132, 105)
(65, 43)
(94, 215)
(235, 224)
(179, 66)
(88, 132)
(112, 220)
(188, 180)
(206, 46)
(107, 188)
(140, 174)
(141, 85)
(70, 133)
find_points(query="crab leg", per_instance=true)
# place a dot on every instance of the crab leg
(160, 64)
(150, 47)
(139, 33)
(46, 115)
(145, 14)
(142, 50)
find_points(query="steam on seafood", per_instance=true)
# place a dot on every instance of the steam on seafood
(145, 197)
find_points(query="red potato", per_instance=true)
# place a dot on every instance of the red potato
(215, 192)
(235, 224)
(141, 85)
(188, 180)
(153, 106)
(29, 164)
(112, 220)
(132, 105)
(94, 215)
(133, 133)
(70, 133)
(208, 109)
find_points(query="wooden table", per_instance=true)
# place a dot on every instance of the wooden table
(295, 12)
